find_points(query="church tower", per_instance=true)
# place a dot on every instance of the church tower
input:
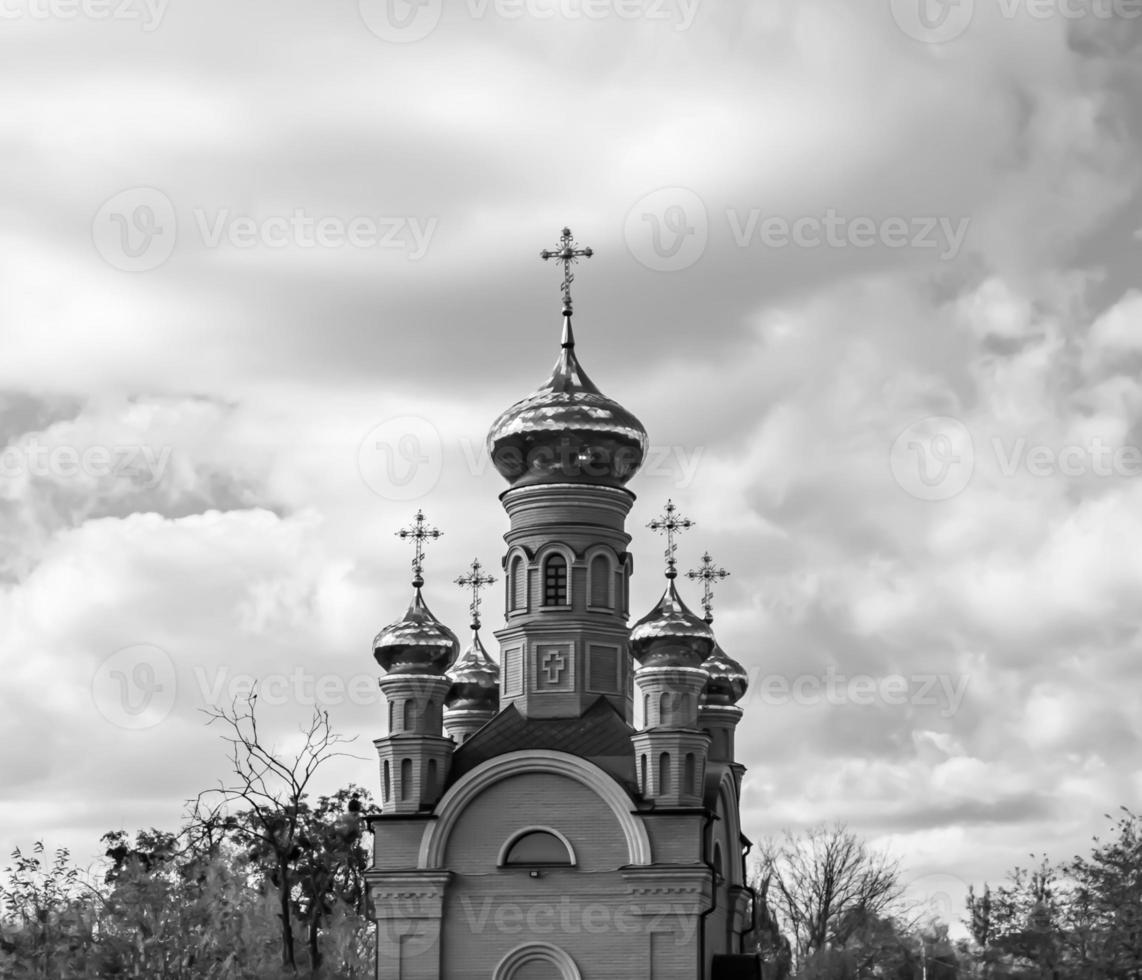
(567, 451)
(528, 830)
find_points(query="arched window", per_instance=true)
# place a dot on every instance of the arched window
(518, 585)
(646, 711)
(642, 773)
(555, 581)
(538, 847)
(390, 717)
(430, 789)
(664, 708)
(387, 782)
(691, 774)
(601, 582)
(405, 779)
(409, 715)
(664, 773)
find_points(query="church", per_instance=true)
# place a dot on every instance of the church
(572, 812)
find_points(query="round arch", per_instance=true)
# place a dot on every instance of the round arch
(524, 831)
(529, 953)
(469, 786)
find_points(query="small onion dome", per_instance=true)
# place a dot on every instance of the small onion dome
(670, 635)
(417, 643)
(475, 679)
(728, 680)
(567, 431)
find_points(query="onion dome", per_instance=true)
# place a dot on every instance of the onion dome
(728, 680)
(475, 679)
(567, 431)
(417, 643)
(670, 635)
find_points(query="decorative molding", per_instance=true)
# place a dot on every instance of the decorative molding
(452, 805)
(507, 845)
(528, 953)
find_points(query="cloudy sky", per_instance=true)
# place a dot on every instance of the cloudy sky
(867, 270)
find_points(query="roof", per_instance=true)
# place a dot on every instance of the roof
(600, 735)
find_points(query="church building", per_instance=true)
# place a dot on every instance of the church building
(572, 812)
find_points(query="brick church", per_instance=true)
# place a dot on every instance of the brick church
(571, 813)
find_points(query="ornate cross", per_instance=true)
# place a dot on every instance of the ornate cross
(475, 581)
(569, 254)
(418, 533)
(670, 524)
(709, 573)
(553, 664)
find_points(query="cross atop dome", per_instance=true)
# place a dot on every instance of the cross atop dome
(419, 533)
(569, 254)
(709, 573)
(670, 524)
(475, 581)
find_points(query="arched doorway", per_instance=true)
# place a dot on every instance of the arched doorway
(537, 961)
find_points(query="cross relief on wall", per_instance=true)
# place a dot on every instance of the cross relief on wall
(553, 668)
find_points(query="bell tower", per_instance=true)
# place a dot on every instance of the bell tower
(568, 451)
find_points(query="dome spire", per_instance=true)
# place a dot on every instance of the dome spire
(569, 254)
(709, 573)
(670, 524)
(419, 533)
(475, 581)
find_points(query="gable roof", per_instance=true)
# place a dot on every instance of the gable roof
(600, 735)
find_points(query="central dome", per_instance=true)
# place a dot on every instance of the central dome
(567, 431)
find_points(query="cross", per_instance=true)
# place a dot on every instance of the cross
(569, 254)
(670, 524)
(419, 533)
(553, 664)
(475, 581)
(708, 573)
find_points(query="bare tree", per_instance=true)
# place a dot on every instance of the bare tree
(826, 885)
(273, 788)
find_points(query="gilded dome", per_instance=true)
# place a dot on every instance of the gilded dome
(728, 680)
(417, 643)
(475, 679)
(567, 431)
(670, 635)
